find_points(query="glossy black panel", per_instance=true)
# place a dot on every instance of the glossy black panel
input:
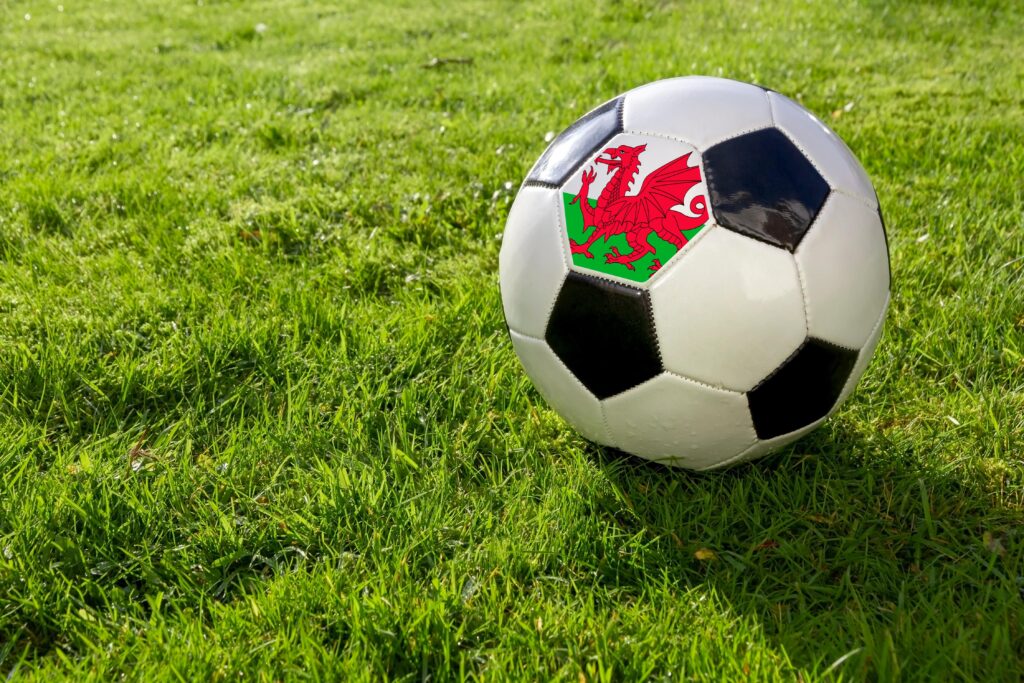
(762, 186)
(801, 390)
(576, 143)
(604, 333)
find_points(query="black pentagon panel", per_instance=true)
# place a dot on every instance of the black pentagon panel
(803, 389)
(762, 186)
(604, 333)
(576, 143)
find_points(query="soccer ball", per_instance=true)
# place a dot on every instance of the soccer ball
(695, 272)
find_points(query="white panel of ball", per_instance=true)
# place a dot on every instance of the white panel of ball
(845, 268)
(728, 311)
(560, 389)
(532, 262)
(680, 107)
(679, 422)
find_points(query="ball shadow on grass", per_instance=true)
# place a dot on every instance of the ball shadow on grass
(844, 541)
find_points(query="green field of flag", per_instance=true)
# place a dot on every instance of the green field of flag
(642, 267)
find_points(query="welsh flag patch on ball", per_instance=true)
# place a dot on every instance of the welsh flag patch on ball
(634, 206)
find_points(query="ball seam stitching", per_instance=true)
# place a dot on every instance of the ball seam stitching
(796, 143)
(551, 306)
(686, 378)
(649, 307)
(855, 197)
(738, 134)
(579, 385)
(649, 283)
(878, 323)
(834, 345)
(735, 458)
(562, 237)
(563, 234)
(645, 297)
(664, 136)
(817, 167)
(612, 442)
(803, 290)
(780, 365)
(576, 381)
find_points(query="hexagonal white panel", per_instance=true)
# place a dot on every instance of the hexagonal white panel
(560, 388)
(729, 311)
(699, 109)
(845, 271)
(867, 352)
(532, 263)
(824, 148)
(679, 422)
(649, 201)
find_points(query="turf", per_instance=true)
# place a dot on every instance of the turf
(260, 419)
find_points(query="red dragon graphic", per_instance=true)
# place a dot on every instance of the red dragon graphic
(647, 211)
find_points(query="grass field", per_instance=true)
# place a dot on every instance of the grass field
(260, 418)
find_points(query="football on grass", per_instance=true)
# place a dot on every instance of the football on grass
(695, 272)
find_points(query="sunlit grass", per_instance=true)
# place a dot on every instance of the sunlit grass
(259, 416)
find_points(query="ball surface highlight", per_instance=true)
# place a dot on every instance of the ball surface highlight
(695, 272)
